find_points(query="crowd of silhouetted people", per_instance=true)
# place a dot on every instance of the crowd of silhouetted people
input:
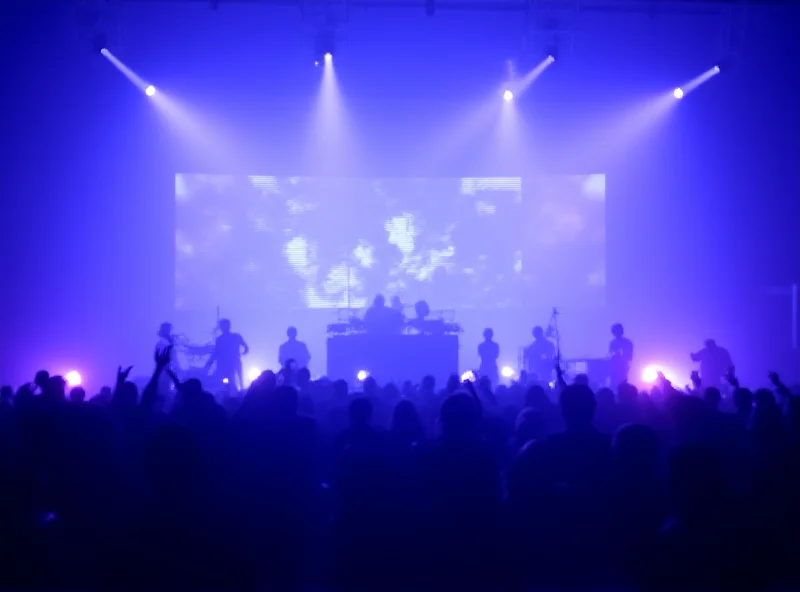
(300, 484)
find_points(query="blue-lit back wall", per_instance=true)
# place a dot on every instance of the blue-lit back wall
(700, 207)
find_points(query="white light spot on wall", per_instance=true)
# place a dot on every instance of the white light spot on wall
(364, 254)
(594, 187)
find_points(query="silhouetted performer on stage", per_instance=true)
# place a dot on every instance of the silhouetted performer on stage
(620, 352)
(228, 351)
(540, 356)
(379, 318)
(420, 322)
(293, 349)
(715, 361)
(489, 352)
(398, 317)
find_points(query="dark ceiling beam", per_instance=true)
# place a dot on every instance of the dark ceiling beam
(486, 5)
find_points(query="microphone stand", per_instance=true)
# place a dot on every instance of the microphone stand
(347, 284)
(216, 326)
(553, 323)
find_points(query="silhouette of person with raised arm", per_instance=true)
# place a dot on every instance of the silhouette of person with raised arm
(293, 349)
(228, 351)
(715, 361)
(166, 340)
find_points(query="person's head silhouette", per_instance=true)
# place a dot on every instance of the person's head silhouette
(340, 389)
(165, 330)
(41, 379)
(291, 333)
(370, 386)
(428, 384)
(488, 334)
(360, 412)
(405, 418)
(453, 383)
(636, 450)
(627, 394)
(710, 344)
(577, 406)
(696, 480)
(379, 301)
(743, 401)
(538, 333)
(422, 309)
(77, 395)
(605, 398)
(617, 330)
(284, 401)
(459, 417)
(225, 326)
(536, 398)
(56, 388)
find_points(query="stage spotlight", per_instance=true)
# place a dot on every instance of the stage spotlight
(650, 374)
(73, 378)
(224, 381)
(150, 90)
(507, 372)
(678, 93)
(508, 95)
(253, 373)
(362, 375)
(551, 52)
(325, 45)
(99, 42)
(469, 375)
(716, 69)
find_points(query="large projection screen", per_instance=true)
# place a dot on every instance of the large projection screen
(289, 243)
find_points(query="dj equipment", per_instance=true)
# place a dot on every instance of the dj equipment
(392, 357)
(355, 326)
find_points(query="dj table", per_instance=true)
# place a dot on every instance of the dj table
(393, 357)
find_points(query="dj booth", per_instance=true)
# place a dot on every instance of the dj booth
(392, 357)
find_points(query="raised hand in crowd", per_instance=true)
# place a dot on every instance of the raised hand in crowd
(731, 377)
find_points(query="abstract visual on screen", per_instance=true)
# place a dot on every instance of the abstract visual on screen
(281, 243)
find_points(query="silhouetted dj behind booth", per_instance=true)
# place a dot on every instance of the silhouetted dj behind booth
(390, 348)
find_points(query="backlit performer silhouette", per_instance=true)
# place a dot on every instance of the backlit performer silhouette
(620, 352)
(228, 351)
(489, 352)
(540, 356)
(293, 349)
(379, 318)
